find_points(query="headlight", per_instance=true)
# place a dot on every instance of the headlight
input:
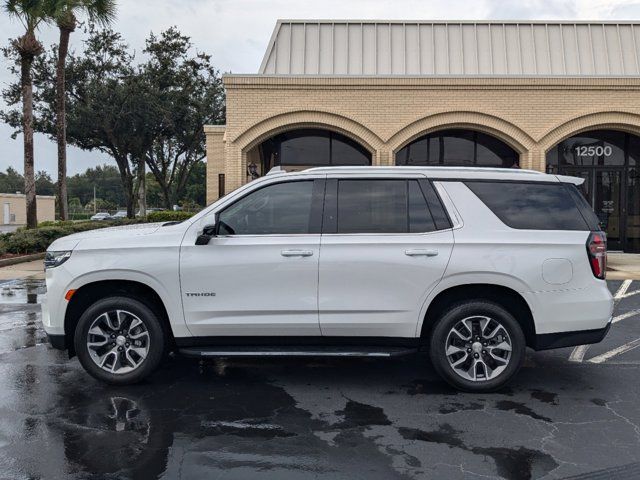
(53, 259)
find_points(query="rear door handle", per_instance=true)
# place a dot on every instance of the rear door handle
(418, 252)
(296, 253)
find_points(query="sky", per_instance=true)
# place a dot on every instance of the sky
(236, 33)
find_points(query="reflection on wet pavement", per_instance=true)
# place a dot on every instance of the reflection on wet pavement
(333, 418)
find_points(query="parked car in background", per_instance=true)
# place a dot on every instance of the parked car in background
(472, 264)
(119, 215)
(100, 216)
(149, 210)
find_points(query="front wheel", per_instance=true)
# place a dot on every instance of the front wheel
(477, 346)
(119, 340)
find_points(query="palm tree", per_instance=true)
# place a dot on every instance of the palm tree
(64, 13)
(31, 13)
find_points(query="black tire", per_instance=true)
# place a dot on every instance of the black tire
(157, 340)
(454, 314)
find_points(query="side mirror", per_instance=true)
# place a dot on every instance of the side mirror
(208, 232)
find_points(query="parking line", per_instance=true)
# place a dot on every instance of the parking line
(616, 351)
(578, 353)
(630, 294)
(622, 316)
(622, 289)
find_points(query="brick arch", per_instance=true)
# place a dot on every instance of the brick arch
(509, 133)
(283, 122)
(608, 120)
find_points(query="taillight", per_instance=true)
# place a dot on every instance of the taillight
(597, 252)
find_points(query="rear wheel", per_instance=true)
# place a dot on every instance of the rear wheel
(119, 340)
(477, 346)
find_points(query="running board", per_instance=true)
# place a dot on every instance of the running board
(302, 351)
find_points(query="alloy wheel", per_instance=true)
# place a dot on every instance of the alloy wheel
(118, 341)
(478, 348)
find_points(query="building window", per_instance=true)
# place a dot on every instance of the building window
(607, 160)
(311, 147)
(589, 149)
(457, 147)
(221, 185)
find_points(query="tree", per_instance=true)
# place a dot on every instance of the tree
(108, 107)
(11, 181)
(187, 94)
(152, 114)
(44, 184)
(31, 13)
(64, 13)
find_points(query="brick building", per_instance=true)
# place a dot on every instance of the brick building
(561, 97)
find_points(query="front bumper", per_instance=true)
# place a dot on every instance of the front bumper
(548, 341)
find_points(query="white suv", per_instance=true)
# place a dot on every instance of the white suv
(474, 264)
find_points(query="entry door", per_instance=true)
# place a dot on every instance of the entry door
(382, 253)
(6, 213)
(607, 196)
(603, 190)
(259, 275)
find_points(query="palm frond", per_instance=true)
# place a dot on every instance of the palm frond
(102, 12)
(29, 12)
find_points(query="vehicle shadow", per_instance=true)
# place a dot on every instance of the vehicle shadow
(312, 417)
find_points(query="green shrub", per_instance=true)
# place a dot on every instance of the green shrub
(168, 216)
(24, 241)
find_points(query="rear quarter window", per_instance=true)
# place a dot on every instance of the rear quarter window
(531, 206)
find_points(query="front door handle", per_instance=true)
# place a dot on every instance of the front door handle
(419, 252)
(296, 253)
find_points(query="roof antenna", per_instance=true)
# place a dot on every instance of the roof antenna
(276, 169)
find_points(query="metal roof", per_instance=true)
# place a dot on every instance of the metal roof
(453, 48)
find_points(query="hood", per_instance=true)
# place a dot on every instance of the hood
(71, 241)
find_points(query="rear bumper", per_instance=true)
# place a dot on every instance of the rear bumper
(58, 342)
(548, 341)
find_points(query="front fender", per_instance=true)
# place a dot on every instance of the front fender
(170, 296)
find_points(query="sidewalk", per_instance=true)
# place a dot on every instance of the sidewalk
(623, 266)
(34, 269)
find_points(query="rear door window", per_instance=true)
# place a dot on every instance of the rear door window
(378, 206)
(531, 206)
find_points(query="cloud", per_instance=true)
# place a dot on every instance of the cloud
(236, 33)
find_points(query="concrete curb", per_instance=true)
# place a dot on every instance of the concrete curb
(22, 259)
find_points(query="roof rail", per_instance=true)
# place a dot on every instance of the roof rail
(419, 168)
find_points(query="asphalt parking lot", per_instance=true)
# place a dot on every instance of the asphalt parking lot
(571, 413)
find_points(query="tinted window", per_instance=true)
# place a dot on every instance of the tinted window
(438, 212)
(305, 148)
(376, 206)
(585, 209)
(345, 151)
(382, 206)
(311, 147)
(283, 208)
(419, 217)
(458, 147)
(532, 206)
(598, 147)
